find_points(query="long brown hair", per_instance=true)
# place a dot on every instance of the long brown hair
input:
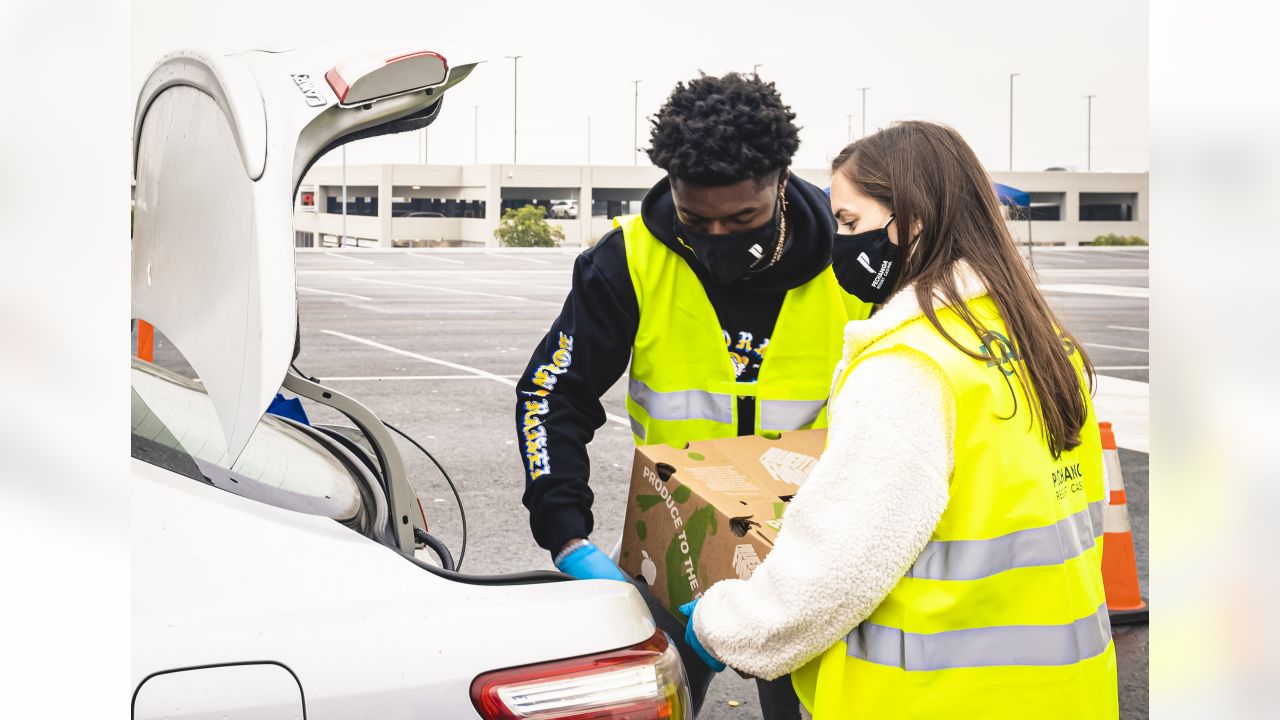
(931, 180)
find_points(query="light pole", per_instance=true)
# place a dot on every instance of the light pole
(1088, 161)
(515, 103)
(588, 140)
(755, 69)
(475, 135)
(864, 110)
(635, 125)
(342, 239)
(1011, 77)
(848, 136)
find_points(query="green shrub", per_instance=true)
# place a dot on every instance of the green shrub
(528, 227)
(1113, 239)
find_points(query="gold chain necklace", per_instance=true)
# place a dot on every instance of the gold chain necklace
(782, 234)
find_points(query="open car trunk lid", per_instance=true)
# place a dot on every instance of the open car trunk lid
(220, 145)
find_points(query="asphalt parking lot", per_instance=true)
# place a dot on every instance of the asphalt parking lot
(433, 341)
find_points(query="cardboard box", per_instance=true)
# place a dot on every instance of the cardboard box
(712, 510)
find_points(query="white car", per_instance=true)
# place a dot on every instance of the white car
(565, 209)
(275, 569)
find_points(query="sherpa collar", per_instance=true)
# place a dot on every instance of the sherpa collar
(901, 309)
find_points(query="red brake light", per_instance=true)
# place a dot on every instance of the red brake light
(644, 681)
(377, 76)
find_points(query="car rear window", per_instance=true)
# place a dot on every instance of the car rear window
(284, 464)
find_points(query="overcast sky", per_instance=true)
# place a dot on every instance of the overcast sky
(938, 60)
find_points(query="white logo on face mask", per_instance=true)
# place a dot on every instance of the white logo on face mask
(866, 262)
(756, 251)
(884, 273)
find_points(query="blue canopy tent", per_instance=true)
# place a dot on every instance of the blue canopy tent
(1015, 198)
(1010, 196)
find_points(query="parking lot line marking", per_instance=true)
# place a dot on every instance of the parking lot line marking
(1130, 257)
(1096, 272)
(333, 292)
(352, 259)
(1117, 347)
(1125, 327)
(451, 272)
(448, 290)
(558, 288)
(522, 258)
(1089, 289)
(1095, 249)
(410, 377)
(1064, 258)
(504, 379)
(1121, 367)
(1126, 405)
(425, 256)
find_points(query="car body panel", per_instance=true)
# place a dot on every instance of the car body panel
(220, 579)
(252, 691)
(209, 268)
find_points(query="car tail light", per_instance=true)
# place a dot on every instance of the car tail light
(378, 76)
(641, 681)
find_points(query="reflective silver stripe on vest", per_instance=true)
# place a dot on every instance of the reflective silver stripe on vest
(636, 428)
(789, 414)
(975, 559)
(682, 404)
(983, 647)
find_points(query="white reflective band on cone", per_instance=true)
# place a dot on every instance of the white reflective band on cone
(1112, 476)
(681, 404)
(1117, 519)
(1011, 645)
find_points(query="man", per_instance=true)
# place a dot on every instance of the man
(721, 295)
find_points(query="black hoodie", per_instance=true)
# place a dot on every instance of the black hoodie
(597, 327)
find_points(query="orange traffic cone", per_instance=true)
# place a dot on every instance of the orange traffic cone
(1119, 563)
(146, 341)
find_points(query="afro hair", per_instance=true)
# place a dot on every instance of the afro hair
(718, 131)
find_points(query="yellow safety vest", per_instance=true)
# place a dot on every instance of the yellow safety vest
(1003, 615)
(683, 386)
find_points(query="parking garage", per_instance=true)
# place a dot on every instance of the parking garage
(461, 205)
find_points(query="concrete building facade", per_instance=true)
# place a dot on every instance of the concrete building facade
(461, 205)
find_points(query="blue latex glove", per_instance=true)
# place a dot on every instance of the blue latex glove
(590, 563)
(691, 639)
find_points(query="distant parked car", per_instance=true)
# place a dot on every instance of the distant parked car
(565, 210)
(425, 214)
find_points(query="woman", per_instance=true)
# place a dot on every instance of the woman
(943, 559)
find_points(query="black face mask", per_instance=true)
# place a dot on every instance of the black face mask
(867, 264)
(729, 256)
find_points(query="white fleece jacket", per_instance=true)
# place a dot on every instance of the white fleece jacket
(859, 521)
